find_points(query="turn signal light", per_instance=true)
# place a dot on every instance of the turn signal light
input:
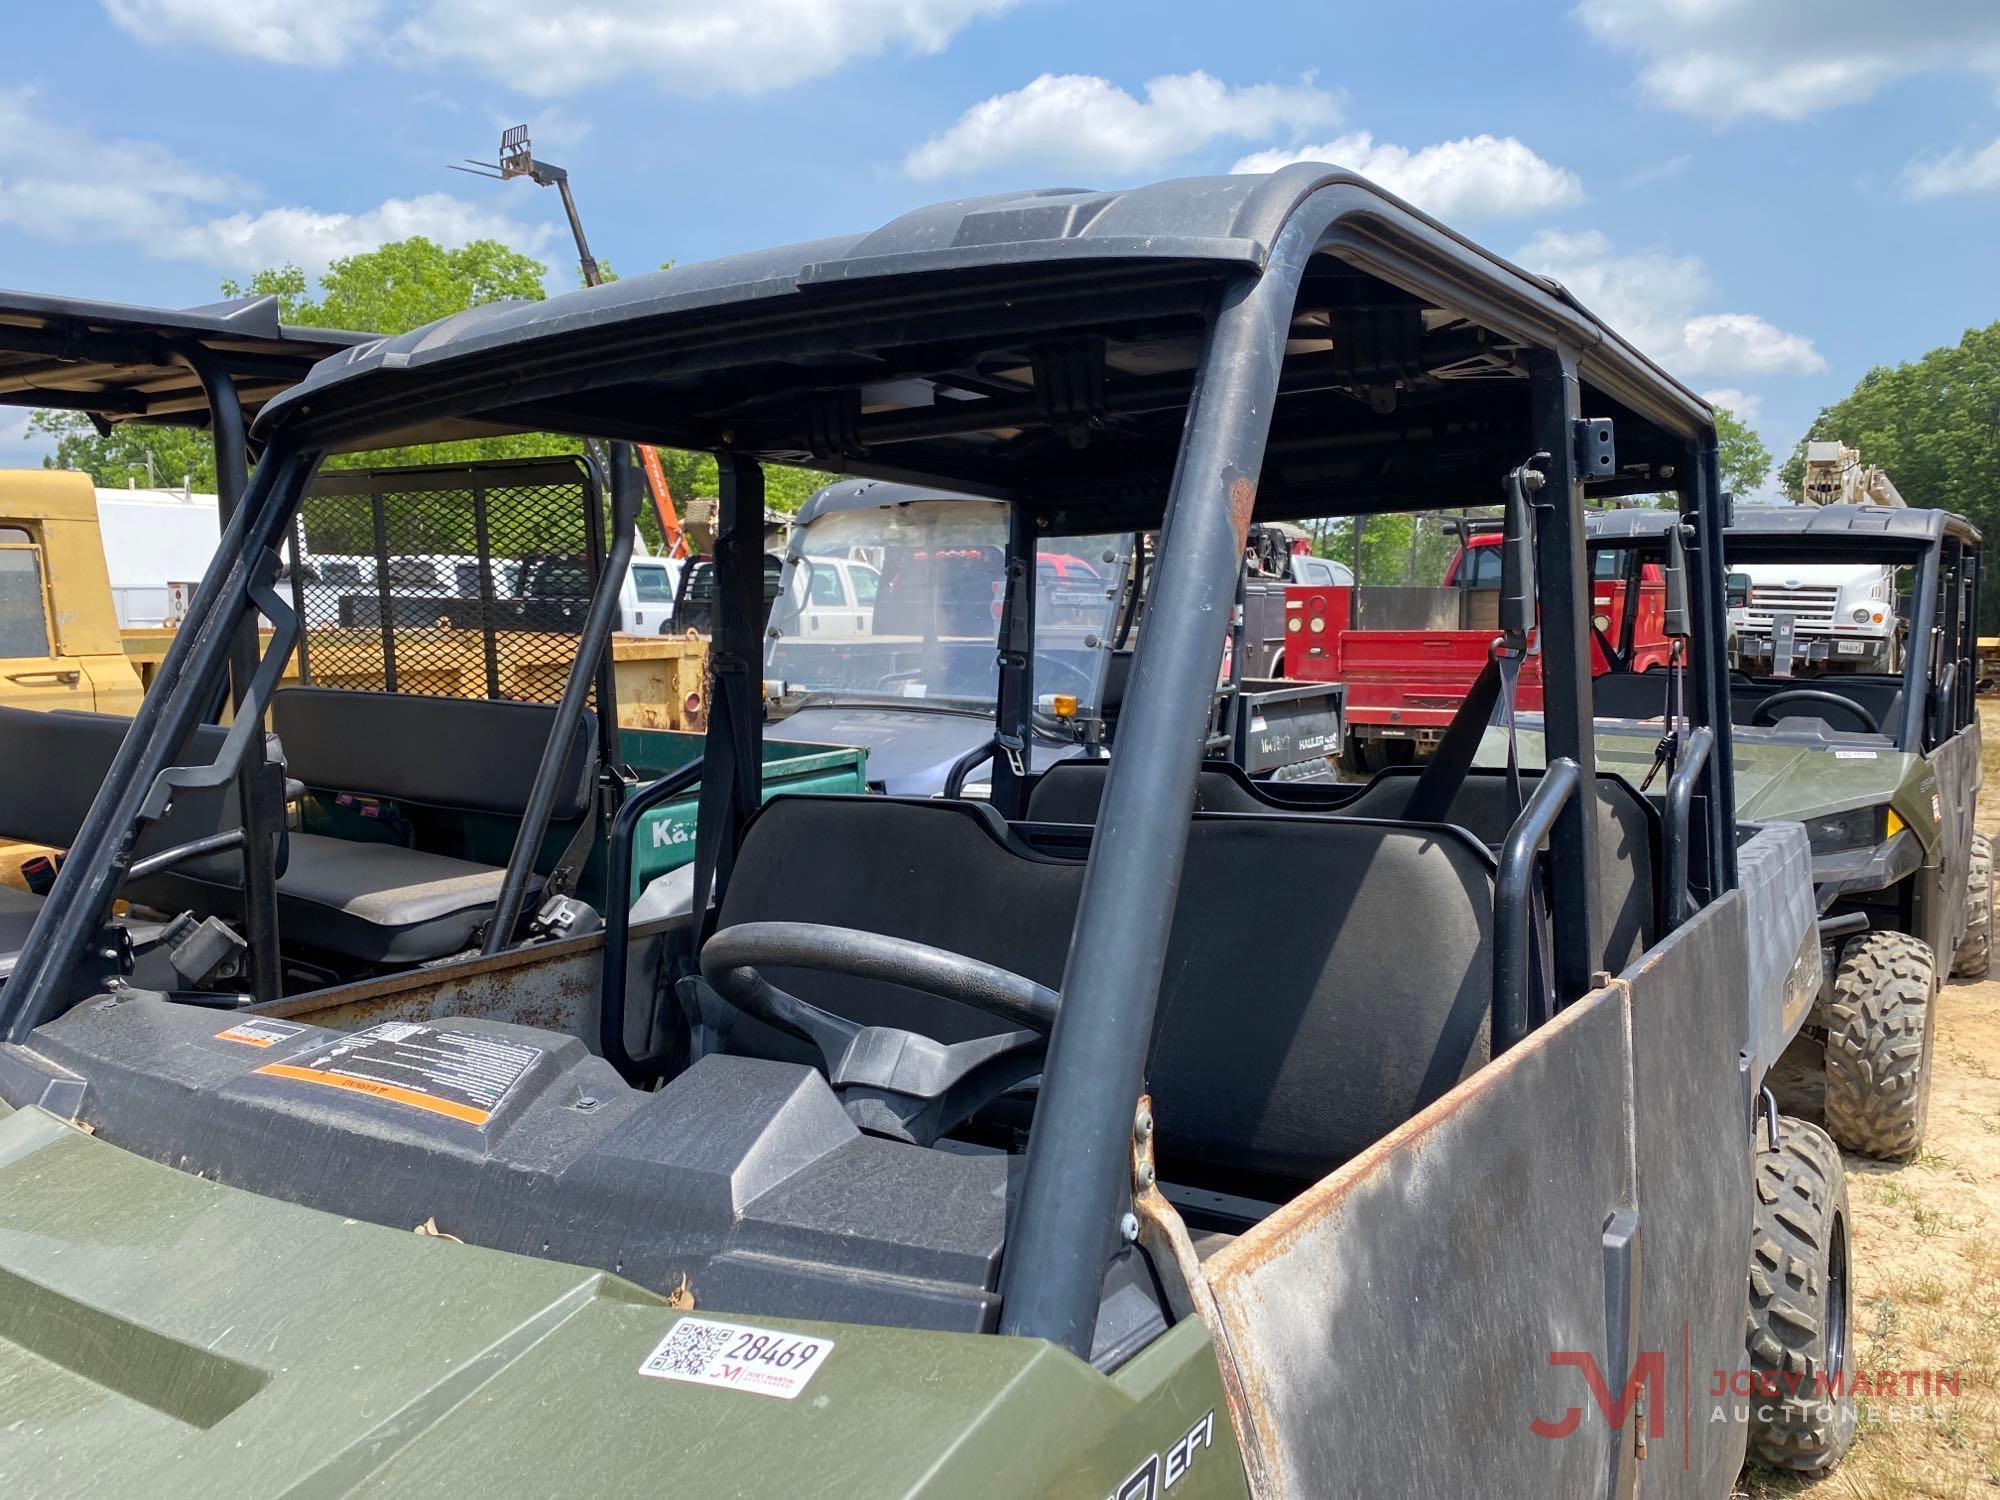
(1065, 706)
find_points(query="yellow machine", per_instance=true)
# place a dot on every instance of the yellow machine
(59, 640)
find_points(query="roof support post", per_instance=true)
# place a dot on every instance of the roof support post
(1917, 655)
(261, 802)
(1014, 737)
(1701, 509)
(733, 752)
(1078, 1174)
(1555, 397)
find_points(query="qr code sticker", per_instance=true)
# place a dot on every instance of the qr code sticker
(689, 1349)
(768, 1361)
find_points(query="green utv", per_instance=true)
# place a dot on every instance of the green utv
(1883, 768)
(955, 1146)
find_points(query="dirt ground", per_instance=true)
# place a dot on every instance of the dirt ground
(1927, 1265)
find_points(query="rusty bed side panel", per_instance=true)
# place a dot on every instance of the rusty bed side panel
(1393, 1325)
(1693, 1136)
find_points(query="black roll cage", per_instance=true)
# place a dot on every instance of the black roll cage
(1063, 1221)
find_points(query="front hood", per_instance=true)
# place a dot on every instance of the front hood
(910, 751)
(1797, 781)
(166, 1335)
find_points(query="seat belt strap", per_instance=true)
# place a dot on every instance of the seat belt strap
(1438, 785)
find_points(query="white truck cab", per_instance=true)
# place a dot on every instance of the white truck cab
(1841, 615)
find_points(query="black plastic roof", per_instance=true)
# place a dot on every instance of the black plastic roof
(1037, 345)
(117, 362)
(1811, 525)
(1860, 522)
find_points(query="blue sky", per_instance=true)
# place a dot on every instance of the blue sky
(1768, 195)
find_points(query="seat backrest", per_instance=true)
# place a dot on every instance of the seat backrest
(476, 754)
(56, 763)
(1068, 792)
(1627, 883)
(1325, 978)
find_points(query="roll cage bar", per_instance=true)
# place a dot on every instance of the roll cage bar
(1029, 321)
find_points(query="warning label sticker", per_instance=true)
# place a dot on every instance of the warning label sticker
(702, 1351)
(460, 1074)
(255, 1031)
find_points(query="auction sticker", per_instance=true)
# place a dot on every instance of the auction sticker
(255, 1031)
(702, 1351)
(460, 1074)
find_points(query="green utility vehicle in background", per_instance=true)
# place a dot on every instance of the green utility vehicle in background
(1882, 768)
(1134, 1130)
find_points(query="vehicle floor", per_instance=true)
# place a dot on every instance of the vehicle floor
(1927, 1260)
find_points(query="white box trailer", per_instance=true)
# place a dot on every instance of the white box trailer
(157, 545)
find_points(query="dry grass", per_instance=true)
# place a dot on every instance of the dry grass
(1927, 1267)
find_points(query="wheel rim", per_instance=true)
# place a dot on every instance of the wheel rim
(1836, 1305)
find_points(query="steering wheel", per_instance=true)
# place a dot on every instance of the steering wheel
(1765, 717)
(891, 1082)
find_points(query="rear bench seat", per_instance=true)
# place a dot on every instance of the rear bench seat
(1068, 792)
(56, 764)
(378, 903)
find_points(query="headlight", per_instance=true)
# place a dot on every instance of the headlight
(1834, 832)
(1861, 616)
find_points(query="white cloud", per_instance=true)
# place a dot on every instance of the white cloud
(311, 238)
(64, 185)
(1475, 177)
(1744, 404)
(1079, 122)
(1652, 299)
(1953, 172)
(321, 32)
(555, 47)
(694, 46)
(1723, 60)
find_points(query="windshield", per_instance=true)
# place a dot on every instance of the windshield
(903, 602)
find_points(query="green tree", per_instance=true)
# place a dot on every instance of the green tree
(1934, 425)
(120, 457)
(1740, 454)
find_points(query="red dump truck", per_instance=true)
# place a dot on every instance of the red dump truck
(1406, 657)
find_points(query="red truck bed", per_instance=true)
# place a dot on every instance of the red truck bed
(1405, 685)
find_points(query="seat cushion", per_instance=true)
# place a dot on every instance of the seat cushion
(382, 903)
(18, 910)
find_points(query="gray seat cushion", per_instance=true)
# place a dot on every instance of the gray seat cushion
(374, 903)
(18, 910)
(382, 903)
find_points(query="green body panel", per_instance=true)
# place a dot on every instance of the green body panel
(665, 837)
(164, 1335)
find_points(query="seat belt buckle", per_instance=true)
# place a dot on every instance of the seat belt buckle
(1011, 746)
